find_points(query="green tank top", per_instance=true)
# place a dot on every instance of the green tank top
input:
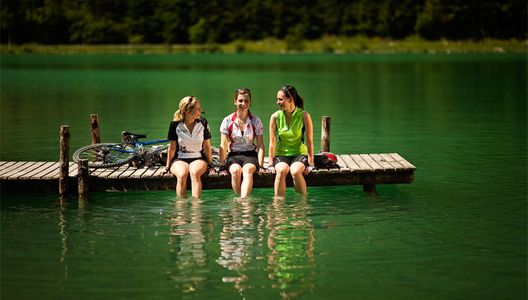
(290, 138)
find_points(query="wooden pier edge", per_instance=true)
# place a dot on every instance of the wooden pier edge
(367, 170)
(366, 179)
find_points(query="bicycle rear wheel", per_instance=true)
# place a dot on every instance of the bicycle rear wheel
(104, 155)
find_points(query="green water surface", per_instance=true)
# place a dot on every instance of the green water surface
(459, 231)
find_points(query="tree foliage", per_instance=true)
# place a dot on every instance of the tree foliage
(220, 21)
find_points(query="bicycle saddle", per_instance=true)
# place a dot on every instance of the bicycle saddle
(139, 136)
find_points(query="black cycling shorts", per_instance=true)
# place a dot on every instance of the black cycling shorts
(291, 159)
(242, 158)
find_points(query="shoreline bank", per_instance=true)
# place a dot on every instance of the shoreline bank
(337, 45)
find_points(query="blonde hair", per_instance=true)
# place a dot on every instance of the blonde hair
(186, 104)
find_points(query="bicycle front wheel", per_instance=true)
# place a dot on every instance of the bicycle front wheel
(104, 155)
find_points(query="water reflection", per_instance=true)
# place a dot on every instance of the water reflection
(62, 207)
(237, 239)
(188, 240)
(291, 260)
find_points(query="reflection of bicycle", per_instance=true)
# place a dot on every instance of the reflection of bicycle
(130, 150)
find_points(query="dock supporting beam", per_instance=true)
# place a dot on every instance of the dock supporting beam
(82, 179)
(369, 189)
(325, 134)
(64, 161)
(96, 133)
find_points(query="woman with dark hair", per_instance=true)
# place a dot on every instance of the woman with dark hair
(289, 151)
(243, 143)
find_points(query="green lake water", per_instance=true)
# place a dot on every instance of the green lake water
(459, 231)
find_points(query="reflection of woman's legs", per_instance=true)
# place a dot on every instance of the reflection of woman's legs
(247, 182)
(181, 170)
(296, 170)
(281, 169)
(236, 175)
(196, 169)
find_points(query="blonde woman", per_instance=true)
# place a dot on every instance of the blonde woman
(189, 150)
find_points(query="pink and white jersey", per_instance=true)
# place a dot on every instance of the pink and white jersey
(241, 139)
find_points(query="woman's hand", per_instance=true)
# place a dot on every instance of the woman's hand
(308, 169)
(271, 169)
(222, 171)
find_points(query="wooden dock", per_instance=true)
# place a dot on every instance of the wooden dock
(356, 169)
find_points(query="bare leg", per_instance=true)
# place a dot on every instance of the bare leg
(196, 169)
(247, 182)
(296, 170)
(236, 177)
(180, 169)
(280, 178)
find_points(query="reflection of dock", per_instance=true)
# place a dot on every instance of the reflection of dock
(356, 169)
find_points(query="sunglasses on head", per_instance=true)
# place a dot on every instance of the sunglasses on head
(191, 98)
(286, 89)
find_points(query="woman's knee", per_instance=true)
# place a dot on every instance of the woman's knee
(249, 169)
(282, 169)
(297, 169)
(197, 169)
(180, 170)
(235, 170)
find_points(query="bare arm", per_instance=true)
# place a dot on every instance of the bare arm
(272, 139)
(171, 152)
(224, 144)
(260, 149)
(308, 125)
(207, 150)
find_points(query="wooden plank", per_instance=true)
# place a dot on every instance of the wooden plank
(371, 162)
(381, 161)
(402, 161)
(22, 170)
(149, 172)
(363, 165)
(4, 164)
(10, 171)
(97, 172)
(73, 169)
(10, 168)
(137, 173)
(106, 172)
(30, 170)
(117, 173)
(45, 169)
(351, 164)
(54, 172)
(34, 170)
(342, 164)
(127, 173)
(394, 163)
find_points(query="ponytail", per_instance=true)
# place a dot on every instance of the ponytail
(291, 92)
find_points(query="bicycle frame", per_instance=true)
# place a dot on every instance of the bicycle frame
(130, 150)
(135, 144)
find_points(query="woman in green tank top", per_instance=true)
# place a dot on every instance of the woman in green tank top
(289, 151)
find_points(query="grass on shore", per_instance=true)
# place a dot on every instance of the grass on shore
(329, 44)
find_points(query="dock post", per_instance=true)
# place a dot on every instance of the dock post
(369, 189)
(325, 134)
(82, 179)
(96, 134)
(64, 161)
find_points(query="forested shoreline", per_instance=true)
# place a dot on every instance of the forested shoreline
(53, 22)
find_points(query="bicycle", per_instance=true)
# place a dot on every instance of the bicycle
(130, 150)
